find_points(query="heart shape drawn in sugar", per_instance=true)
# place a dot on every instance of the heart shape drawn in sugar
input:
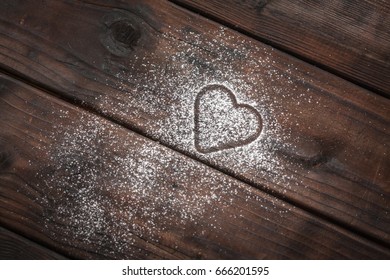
(222, 123)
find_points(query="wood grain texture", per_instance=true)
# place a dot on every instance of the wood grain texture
(350, 38)
(324, 142)
(16, 247)
(92, 189)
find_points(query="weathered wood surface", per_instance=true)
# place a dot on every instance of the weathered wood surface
(91, 189)
(350, 38)
(323, 144)
(16, 247)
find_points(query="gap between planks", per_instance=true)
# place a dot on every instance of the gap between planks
(339, 73)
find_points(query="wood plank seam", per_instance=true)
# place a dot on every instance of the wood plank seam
(279, 47)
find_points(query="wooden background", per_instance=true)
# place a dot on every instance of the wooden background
(97, 158)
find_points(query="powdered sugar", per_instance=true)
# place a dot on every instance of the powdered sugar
(108, 190)
(113, 192)
(221, 123)
(111, 189)
(159, 99)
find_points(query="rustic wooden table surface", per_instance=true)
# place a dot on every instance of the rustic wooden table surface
(188, 129)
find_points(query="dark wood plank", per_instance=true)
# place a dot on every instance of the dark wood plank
(323, 141)
(350, 38)
(16, 247)
(92, 189)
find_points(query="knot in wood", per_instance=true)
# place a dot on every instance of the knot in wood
(125, 32)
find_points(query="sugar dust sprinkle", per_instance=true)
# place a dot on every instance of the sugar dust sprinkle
(115, 192)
